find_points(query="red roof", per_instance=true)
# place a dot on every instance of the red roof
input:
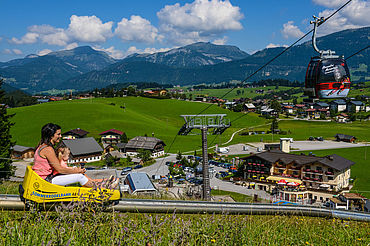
(111, 131)
(310, 110)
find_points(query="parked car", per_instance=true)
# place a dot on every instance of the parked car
(126, 170)
(311, 138)
(138, 166)
(168, 163)
(319, 138)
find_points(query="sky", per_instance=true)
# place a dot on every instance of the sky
(124, 27)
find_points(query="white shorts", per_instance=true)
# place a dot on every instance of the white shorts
(66, 179)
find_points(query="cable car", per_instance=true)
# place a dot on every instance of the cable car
(327, 75)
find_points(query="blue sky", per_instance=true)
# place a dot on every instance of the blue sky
(124, 27)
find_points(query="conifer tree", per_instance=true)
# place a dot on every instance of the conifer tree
(6, 168)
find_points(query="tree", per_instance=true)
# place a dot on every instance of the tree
(179, 156)
(144, 154)
(124, 138)
(274, 125)
(6, 168)
(276, 106)
(238, 108)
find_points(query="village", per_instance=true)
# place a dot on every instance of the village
(270, 173)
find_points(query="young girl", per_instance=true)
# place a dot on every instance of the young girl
(63, 156)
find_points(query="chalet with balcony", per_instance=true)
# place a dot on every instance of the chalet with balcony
(338, 105)
(74, 134)
(355, 106)
(154, 145)
(312, 113)
(83, 150)
(22, 152)
(249, 107)
(312, 178)
(111, 136)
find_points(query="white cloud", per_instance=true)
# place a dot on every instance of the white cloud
(17, 52)
(291, 31)
(71, 46)
(44, 52)
(354, 15)
(271, 45)
(116, 54)
(12, 51)
(28, 38)
(89, 29)
(7, 51)
(133, 49)
(201, 20)
(220, 41)
(137, 29)
(330, 3)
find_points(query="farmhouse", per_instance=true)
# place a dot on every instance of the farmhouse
(355, 106)
(22, 152)
(111, 136)
(249, 107)
(345, 138)
(74, 134)
(312, 179)
(83, 150)
(338, 105)
(154, 145)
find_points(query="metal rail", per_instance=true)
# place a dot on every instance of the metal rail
(11, 202)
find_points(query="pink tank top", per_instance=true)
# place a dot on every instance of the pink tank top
(41, 165)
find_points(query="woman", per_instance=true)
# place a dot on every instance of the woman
(46, 161)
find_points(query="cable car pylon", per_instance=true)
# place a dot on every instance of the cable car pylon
(219, 124)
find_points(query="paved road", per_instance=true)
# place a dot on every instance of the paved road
(159, 167)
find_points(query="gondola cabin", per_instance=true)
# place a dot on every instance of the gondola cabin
(327, 78)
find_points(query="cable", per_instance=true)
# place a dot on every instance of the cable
(357, 52)
(259, 69)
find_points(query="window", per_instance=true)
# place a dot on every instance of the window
(308, 167)
(330, 178)
(330, 170)
(319, 168)
(315, 197)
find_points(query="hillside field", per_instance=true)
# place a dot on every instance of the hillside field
(302, 130)
(141, 116)
(161, 117)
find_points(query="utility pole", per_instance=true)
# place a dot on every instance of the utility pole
(205, 122)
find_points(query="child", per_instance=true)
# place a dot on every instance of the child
(63, 156)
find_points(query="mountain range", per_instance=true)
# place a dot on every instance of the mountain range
(84, 68)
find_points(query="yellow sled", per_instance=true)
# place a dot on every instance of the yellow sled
(38, 190)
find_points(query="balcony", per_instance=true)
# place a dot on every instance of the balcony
(329, 173)
(312, 171)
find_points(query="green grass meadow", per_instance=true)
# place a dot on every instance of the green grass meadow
(141, 116)
(81, 228)
(162, 117)
(302, 130)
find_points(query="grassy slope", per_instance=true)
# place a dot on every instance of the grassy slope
(302, 130)
(360, 171)
(142, 116)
